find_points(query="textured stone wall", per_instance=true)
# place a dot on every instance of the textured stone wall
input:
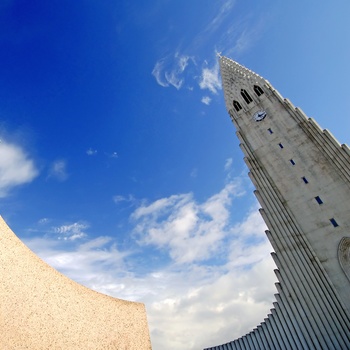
(42, 309)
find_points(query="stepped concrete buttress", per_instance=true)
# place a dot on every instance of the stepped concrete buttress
(42, 309)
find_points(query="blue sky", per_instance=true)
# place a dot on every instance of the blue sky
(119, 165)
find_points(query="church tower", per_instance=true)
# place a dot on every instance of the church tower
(302, 180)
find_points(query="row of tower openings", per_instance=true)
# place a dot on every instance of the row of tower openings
(246, 97)
(317, 198)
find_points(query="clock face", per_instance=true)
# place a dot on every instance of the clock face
(259, 116)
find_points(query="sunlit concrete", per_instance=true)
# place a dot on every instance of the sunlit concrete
(42, 309)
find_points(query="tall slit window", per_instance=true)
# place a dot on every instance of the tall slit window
(319, 200)
(305, 180)
(246, 96)
(258, 90)
(237, 105)
(333, 222)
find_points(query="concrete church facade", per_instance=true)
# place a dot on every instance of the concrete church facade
(302, 180)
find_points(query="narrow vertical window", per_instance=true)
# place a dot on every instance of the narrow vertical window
(258, 90)
(237, 106)
(305, 180)
(292, 161)
(333, 222)
(270, 130)
(280, 144)
(246, 96)
(318, 200)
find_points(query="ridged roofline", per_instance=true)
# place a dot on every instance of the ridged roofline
(228, 63)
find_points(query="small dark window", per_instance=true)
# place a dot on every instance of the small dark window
(319, 200)
(237, 106)
(246, 96)
(333, 222)
(280, 144)
(292, 161)
(258, 90)
(305, 180)
(270, 130)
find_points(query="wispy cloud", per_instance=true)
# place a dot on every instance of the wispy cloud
(240, 35)
(194, 173)
(206, 100)
(210, 79)
(221, 15)
(96, 263)
(119, 198)
(245, 40)
(228, 164)
(58, 170)
(169, 71)
(15, 167)
(233, 36)
(43, 221)
(114, 155)
(72, 231)
(91, 152)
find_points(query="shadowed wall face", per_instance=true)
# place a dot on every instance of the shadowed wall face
(40, 308)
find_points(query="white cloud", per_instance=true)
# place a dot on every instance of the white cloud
(228, 164)
(118, 199)
(240, 35)
(244, 41)
(96, 263)
(169, 71)
(91, 152)
(206, 100)
(43, 221)
(210, 79)
(191, 303)
(223, 12)
(194, 173)
(187, 230)
(58, 170)
(72, 231)
(158, 71)
(15, 167)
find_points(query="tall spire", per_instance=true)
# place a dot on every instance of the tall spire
(236, 77)
(302, 180)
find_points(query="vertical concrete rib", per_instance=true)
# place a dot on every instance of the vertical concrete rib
(298, 328)
(272, 331)
(263, 337)
(304, 317)
(292, 342)
(267, 336)
(253, 339)
(246, 342)
(240, 344)
(258, 338)
(280, 334)
(306, 266)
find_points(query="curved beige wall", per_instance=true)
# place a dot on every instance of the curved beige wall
(42, 309)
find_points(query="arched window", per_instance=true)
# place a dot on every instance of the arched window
(258, 90)
(246, 96)
(237, 106)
